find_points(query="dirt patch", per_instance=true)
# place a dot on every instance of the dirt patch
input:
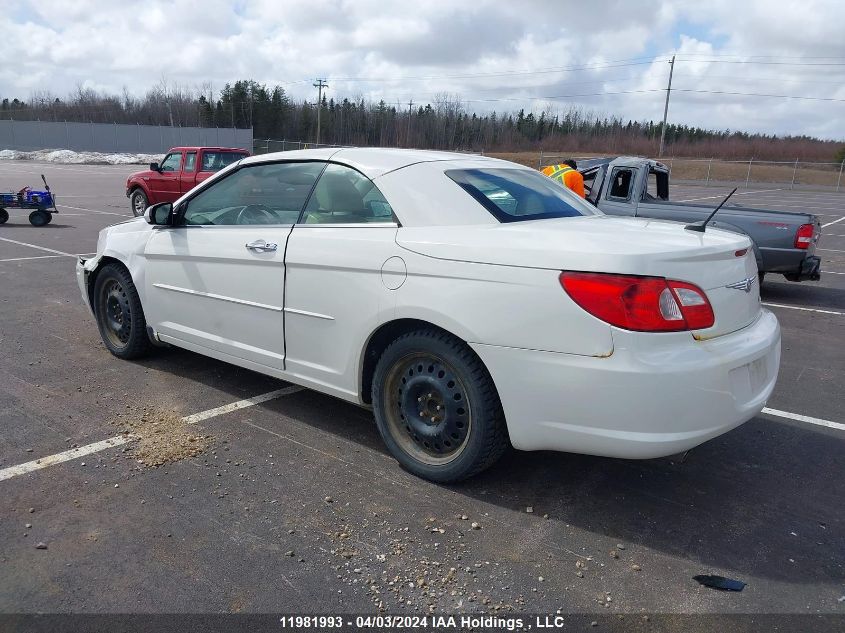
(162, 437)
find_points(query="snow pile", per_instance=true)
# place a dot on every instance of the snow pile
(69, 157)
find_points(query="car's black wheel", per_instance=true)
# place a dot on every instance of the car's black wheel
(4, 216)
(39, 218)
(138, 202)
(120, 316)
(761, 277)
(437, 408)
(49, 217)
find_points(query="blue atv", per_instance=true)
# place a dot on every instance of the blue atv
(41, 203)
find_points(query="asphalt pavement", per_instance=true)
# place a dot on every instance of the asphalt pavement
(297, 507)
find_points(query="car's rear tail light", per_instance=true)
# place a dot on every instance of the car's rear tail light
(643, 304)
(694, 305)
(804, 236)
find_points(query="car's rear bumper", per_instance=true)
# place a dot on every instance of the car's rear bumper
(810, 270)
(649, 398)
(793, 263)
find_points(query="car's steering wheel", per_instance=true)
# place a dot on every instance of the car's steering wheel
(255, 214)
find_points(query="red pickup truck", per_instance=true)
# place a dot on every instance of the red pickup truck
(179, 171)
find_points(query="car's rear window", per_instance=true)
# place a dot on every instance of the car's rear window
(215, 161)
(515, 195)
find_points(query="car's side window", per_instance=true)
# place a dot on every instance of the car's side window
(271, 193)
(215, 161)
(190, 161)
(657, 186)
(344, 196)
(171, 162)
(621, 181)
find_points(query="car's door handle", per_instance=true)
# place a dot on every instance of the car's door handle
(261, 246)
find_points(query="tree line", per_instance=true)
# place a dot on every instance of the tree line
(444, 123)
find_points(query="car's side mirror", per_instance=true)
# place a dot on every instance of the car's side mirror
(154, 167)
(160, 214)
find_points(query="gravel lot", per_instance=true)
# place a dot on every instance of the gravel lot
(295, 506)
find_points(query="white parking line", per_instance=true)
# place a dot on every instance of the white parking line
(67, 206)
(804, 418)
(834, 222)
(831, 250)
(780, 305)
(20, 259)
(40, 248)
(240, 404)
(58, 458)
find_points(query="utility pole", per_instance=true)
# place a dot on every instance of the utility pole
(408, 135)
(321, 83)
(666, 108)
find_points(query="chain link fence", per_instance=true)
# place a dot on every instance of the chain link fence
(795, 174)
(114, 137)
(269, 145)
(788, 174)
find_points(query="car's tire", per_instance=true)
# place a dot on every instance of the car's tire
(49, 217)
(4, 216)
(120, 317)
(436, 407)
(760, 278)
(138, 202)
(39, 218)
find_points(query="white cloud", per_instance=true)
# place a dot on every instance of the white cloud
(57, 45)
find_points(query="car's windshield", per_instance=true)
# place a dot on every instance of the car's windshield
(514, 195)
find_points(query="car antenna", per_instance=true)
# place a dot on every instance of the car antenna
(699, 228)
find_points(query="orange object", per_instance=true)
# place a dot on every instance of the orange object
(569, 177)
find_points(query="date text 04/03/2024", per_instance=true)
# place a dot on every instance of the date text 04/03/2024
(411, 622)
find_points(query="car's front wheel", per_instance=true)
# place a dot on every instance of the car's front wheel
(436, 407)
(120, 317)
(138, 201)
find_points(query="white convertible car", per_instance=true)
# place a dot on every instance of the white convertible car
(473, 303)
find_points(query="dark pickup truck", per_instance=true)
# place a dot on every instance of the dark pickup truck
(178, 172)
(784, 242)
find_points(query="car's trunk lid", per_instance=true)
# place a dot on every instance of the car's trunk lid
(712, 260)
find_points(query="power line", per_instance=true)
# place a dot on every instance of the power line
(779, 79)
(508, 73)
(762, 63)
(569, 96)
(754, 56)
(647, 90)
(619, 63)
(757, 94)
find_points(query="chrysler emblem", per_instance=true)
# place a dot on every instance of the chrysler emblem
(744, 284)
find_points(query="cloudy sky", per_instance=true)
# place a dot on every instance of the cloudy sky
(609, 56)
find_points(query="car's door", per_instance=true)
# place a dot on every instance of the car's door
(342, 267)
(618, 198)
(188, 175)
(593, 180)
(165, 184)
(215, 281)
